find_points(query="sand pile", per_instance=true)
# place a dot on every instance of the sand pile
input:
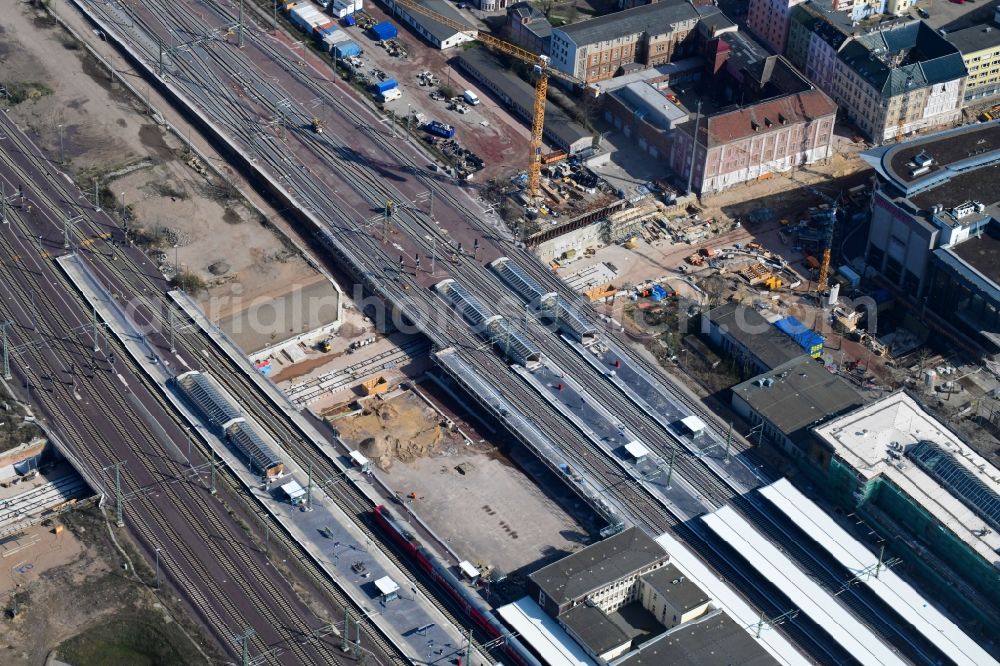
(401, 429)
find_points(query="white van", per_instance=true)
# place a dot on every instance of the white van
(470, 97)
(389, 95)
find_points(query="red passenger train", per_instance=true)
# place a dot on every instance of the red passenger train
(475, 607)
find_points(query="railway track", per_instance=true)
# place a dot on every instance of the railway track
(140, 478)
(355, 240)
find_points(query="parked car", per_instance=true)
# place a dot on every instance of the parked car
(923, 13)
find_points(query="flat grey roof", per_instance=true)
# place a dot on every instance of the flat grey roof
(713, 640)
(597, 565)
(798, 395)
(654, 19)
(682, 592)
(595, 630)
(649, 104)
(440, 31)
(750, 329)
(974, 38)
(982, 253)
(519, 93)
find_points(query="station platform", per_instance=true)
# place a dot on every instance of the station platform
(326, 532)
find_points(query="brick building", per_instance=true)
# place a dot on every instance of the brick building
(528, 28)
(602, 48)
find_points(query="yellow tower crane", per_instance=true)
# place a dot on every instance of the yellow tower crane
(542, 71)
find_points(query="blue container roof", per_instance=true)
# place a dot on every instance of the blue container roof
(802, 334)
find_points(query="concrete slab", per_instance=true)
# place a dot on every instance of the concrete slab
(506, 520)
(297, 312)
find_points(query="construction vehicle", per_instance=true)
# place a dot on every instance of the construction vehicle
(317, 125)
(542, 71)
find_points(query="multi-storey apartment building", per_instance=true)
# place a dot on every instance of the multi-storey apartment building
(647, 36)
(891, 78)
(900, 80)
(769, 19)
(980, 49)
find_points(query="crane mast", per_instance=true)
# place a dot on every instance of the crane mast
(542, 72)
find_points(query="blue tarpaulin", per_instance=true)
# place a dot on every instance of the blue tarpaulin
(657, 293)
(347, 49)
(384, 30)
(806, 338)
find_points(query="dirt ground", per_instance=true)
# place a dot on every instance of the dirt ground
(505, 520)
(107, 134)
(400, 429)
(82, 562)
(488, 130)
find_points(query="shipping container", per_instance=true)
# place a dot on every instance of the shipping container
(347, 49)
(325, 26)
(326, 31)
(341, 8)
(300, 15)
(439, 129)
(305, 17)
(349, 20)
(382, 86)
(384, 30)
(332, 38)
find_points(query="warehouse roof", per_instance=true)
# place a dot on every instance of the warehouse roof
(654, 19)
(574, 576)
(797, 395)
(516, 92)
(440, 31)
(750, 329)
(712, 640)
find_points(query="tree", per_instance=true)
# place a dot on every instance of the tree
(188, 282)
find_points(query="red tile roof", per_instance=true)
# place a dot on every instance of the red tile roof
(726, 127)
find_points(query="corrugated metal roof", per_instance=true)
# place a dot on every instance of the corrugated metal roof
(517, 279)
(514, 345)
(246, 438)
(207, 398)
(467, 304)
(488, 325)
(552, 305)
